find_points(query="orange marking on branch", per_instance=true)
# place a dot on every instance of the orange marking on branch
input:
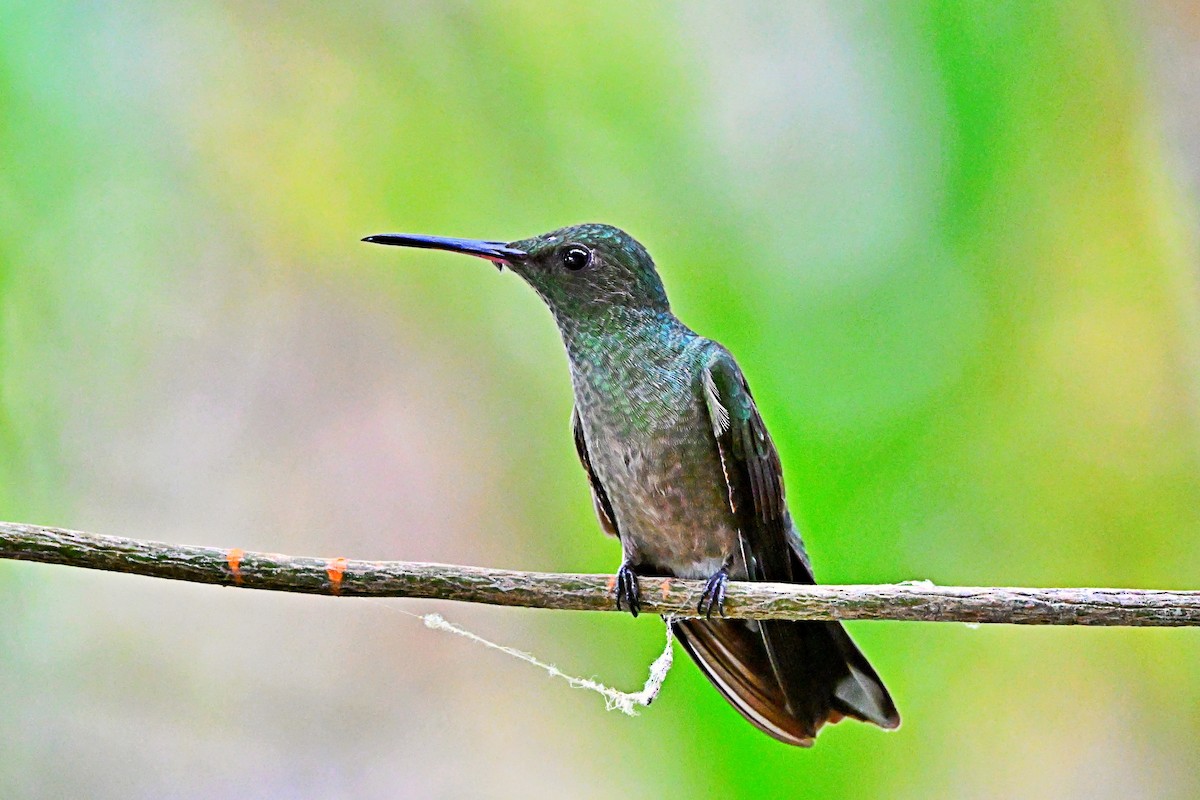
(335, 570)
(234, 559)
(666, 588)
(612, 582)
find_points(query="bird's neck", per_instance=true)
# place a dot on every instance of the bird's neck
(621, 345)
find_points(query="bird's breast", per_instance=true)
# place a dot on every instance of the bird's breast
(653, 450)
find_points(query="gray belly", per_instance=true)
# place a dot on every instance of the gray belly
(667, 488)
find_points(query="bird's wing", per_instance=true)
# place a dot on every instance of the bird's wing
(818, 674)
(608, 520)
(753, 474)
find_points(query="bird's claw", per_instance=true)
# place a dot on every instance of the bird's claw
(713, 597)
(627, 589)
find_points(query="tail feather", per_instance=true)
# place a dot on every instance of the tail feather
(815, 675)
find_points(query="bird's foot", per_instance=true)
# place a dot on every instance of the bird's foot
(627, 589)
(713, 597)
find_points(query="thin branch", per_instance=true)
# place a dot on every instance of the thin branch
(349, 578)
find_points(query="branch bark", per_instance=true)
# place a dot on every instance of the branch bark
(350, 578)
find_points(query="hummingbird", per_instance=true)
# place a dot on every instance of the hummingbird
(685, 475)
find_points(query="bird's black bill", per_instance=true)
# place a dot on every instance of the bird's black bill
(499, 253)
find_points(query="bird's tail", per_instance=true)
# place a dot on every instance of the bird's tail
(788, 678)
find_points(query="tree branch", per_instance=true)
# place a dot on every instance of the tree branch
(348, 578)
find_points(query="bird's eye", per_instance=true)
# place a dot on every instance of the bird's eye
(576, 257)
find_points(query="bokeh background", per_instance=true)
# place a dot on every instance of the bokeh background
(952, 244)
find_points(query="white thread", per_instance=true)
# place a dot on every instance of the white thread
(613, 699)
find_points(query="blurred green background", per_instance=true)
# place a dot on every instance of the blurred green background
(952, 245)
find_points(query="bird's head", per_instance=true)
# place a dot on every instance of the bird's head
(580, 271)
